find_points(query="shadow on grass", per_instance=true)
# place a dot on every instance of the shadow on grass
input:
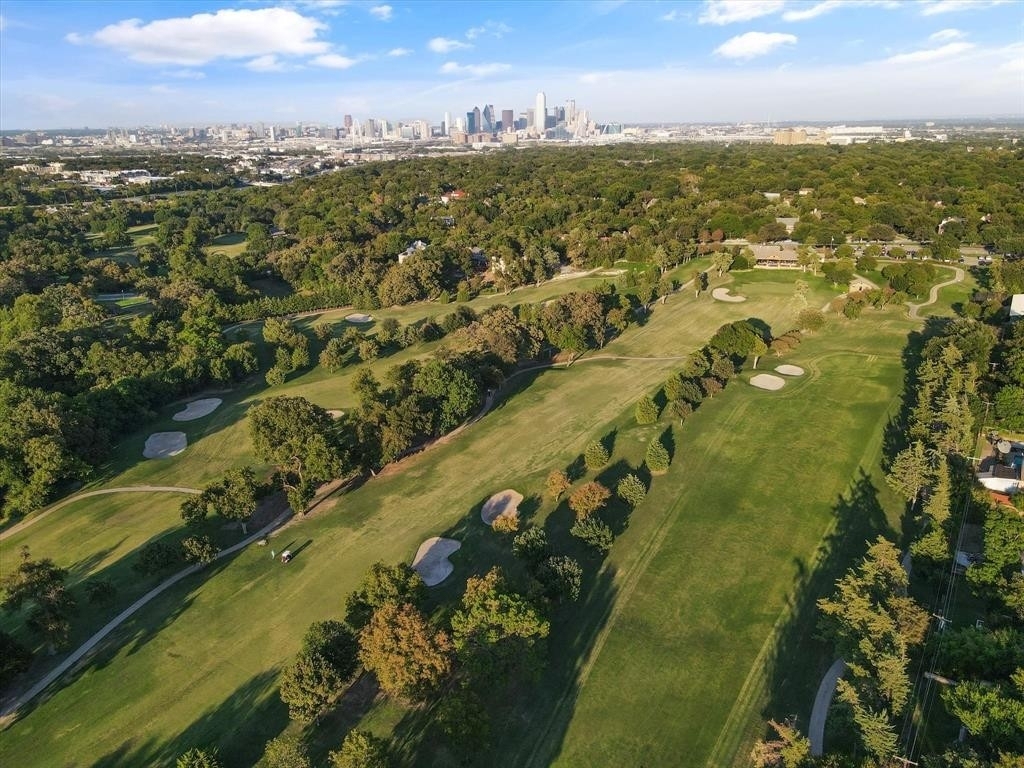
(798, 658)
(238, 726)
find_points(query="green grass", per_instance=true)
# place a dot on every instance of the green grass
(230, 245)
(677, 616)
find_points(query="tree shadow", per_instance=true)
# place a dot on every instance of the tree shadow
(799, 657)
(327, 735)
(668, 439)
(617, 512)
(238, 727)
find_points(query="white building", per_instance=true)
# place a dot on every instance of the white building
(540, 114)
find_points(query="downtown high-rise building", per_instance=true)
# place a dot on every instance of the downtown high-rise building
(540, 114)
(508, 120)
(487, 123)
(472, 126)
(446, 129)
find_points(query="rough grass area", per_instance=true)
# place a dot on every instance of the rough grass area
(698, 608)
(232, 244)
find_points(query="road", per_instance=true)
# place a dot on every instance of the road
(933, 294)
(822, 702)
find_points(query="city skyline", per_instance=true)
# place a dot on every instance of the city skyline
(77, 64)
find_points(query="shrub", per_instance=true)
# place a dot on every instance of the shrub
(531, 545)
(557, 484)
(361, 749)
(810, 320)
(286, 752)
(588, 498)
(646, 411)
(596, 456)
(15, 658)
(100, 591)
(657, 459)
(631, 489)
(199, 549)
(681, 409)
(593, 532)
(506, 524)
(156, 557)
(561, 578)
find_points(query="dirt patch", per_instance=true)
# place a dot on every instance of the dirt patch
(503, 504)
(163, 445)
(789, 370)
(723, 294)
(768, 381)
(431, 561)
(197, 409)
(359, 318)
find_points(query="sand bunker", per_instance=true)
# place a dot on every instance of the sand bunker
(768, 381)
(163, 445)
(431, 561)
(722, 294)
(197, 409)
(503, 504)
(359, 318)
(335, 414)
(789, 370)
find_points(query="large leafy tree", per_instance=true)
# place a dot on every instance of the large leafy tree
(382, 584)
(409, 657)
(39, 586)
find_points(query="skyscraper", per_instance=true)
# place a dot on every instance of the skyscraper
(446, 129)
(471, 126)
(487, 126)
(347, 121)
(508, 120)
(478, 124)
(540, 114)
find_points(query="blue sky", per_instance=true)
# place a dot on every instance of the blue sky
(127, 63)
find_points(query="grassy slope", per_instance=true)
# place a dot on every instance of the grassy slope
(248, 611)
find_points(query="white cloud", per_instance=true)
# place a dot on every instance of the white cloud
(473, 70)
(752, 44)
(731, 11)
(931, 54)
(268, 63)
(184, 74)
(3, 23)
(670, 16)
(945, 34)
(334, 61)
(492, 28)
(400, 52)
(204, 37)
(935, 7)
(446, 45)
(803, 13)
(382, 12)
(163, 90)
(75, 39)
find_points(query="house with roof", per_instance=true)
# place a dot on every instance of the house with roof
(775, 255)
(415, 247)
(1017, 305)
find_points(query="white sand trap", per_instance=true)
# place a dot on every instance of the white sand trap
(197, 409)
(163, 445)
(335, 414)
(431, 561)
(789, 370)
(768, 381)
(359, 318)
(503, 504)
(722, 294)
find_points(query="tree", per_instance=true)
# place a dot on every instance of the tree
(336, 643)
(593, 532)
(657, 458)
(298, 437)
(721, 261)
(557, 484)
(790, 750)
(758, 348)
(909, 472)
(100, 591)
(496, 630)
(588, 498)
(157, 557)
(198, 758)
(199, 549)
(335, 354)
(631, 489)
(382, 584)
(646, 410)
(361, 749)
(561, 578)
(39, 585)
(409, 657)
(286, 752)
(309, 686)
(531, 545)
(595, 456)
